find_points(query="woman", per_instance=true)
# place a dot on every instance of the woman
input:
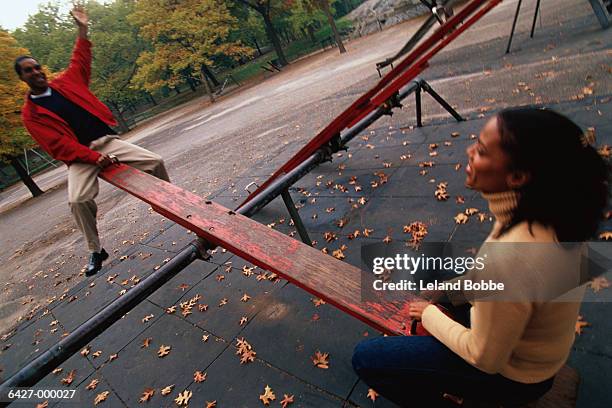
(543, 184)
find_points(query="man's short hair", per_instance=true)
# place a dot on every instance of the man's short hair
(18, 63)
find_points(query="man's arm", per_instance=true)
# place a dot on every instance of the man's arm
(79, 68)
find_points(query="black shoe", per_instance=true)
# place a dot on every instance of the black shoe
(95, 262)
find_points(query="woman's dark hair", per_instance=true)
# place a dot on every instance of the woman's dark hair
(568, 180)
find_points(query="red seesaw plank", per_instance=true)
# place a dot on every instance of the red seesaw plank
(334, 281)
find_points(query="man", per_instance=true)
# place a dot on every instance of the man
(73, 126)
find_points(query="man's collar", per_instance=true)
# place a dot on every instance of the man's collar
(42, 95)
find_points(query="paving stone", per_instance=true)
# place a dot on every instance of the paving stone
(82, 370)
(234, 385)
(224, 321)
(594, 369)
(595, 339)
(290, 329)
(123, 331)
(85, 397)
(27, 344)
(359, 397)
(172, 239)
(137, 368)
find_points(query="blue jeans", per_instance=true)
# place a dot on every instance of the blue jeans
(416, 370)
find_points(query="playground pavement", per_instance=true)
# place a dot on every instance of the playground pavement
(284, 325)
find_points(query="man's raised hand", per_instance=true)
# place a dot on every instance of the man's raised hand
(79, 15)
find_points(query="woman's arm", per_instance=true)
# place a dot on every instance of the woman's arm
(496, 328)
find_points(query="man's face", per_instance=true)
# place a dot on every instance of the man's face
(33, 74)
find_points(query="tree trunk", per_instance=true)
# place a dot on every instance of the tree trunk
(190, 81)
(123, 126)
(207, 86)
(273, 37)
(25, 177)
(332, 24)
(177, 90)
(210, 75)
(311, 34)
(257, 46)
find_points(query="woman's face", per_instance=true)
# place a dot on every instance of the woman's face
(487, 169)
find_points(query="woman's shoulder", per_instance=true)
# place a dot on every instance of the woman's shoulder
(529, 232)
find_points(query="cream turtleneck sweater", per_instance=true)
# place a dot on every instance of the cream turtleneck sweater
(525, 341)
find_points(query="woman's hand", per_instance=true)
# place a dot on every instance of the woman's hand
(416, 308)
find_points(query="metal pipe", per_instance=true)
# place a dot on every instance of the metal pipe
(297, 220)
(518, 9)
(535, 17)
(82, 335)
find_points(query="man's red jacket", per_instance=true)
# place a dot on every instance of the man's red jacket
(51, 132)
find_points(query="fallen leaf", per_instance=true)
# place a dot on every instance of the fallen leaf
(147, 394)
(599, 283)
(580, 324)
(69, 378)
(223, 302)
(287, 399)
(44, 404)
(243, 320)
(112, 357)
(372, 394)
(147, 318)
(101, 397)
(183, 398)
(461, 218)
(211, 404)
(163, 351)
(245, 298)
(146, 342)
(318, 302)
(93, 384)
(167, 390)
(267, 396)
(606, 235)
(320, 360)
(199, 376)
(85, 351)
(338, 254)
(205, 337)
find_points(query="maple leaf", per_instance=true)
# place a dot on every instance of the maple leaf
(223, 302)
(85, 351)
(147, 394)
(287, 399)
(372, 394)
(338, 254)
(171, 309)
(267, 396)
(202, 307)
(97, 354)
(44, 404)
(199, 376)
(599, 283)
(471, 211)
(167, 390)
(183, 286)
(69, 379)
(183, 398)
(211, 404)
(317, 302)
(461, 218)
(57, 370)
(580, 324)
(245, 298)
(205, 337)
(101, 397)
(243, 320)
(147, 318)
(455, 134)
(93, 384)
(387, 239)
(163, 350)
(247, 357)
(606, 235)
(146, 342)
(320, 360)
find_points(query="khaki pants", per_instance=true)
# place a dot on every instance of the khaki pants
(83, 182)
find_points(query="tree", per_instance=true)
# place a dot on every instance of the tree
(13, 136)
(324, 5)
(264, 8)
(185, 34)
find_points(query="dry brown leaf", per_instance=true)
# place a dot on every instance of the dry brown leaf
(93, 384)
(167, 390)
(44, 404)
(211, 404)
(146, 342)
(199, 376)
(599, 283)
(112, 357)
(147, 318)
(163, 350)
(372, 394)
(69, 378)
(606, 235)
(317, 302)
(147, 394)
(320, 360)
(183, 398)
(205, 337)
(85, 351)
(580, 324)
(461, 218)
(338, 254)
(101, 397)
(97, 354)
(387, 239)
(267, 396)
(287, 399)
(223, 302)
(243, 320)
